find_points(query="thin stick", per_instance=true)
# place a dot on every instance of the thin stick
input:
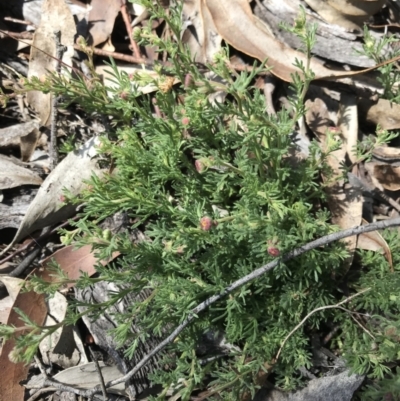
(40, 392)
(127, 21)
(98, 369)
(32, 242)
(359, 324)
(315, 311)
(53, 151)
(19, 21)
(246, 279)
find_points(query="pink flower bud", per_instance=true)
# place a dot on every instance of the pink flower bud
(273, 251)
(188, 80)
(123, 95)
(185, 120)
(206, 223)
(199, 166)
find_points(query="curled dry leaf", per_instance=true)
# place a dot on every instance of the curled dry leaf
(332, 15)
(48, 208)
(384, 169)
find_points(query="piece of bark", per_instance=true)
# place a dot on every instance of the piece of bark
(332, 42)
(14, 205)
(100, 329)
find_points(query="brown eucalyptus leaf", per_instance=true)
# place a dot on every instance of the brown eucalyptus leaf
(56, 16)
(48, 208)
(34, 306)
(13, 175)
(237, 25)
(73, 262)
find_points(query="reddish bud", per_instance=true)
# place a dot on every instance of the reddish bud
(206, 223)
(199, 166)
(185, 120)
(273, 251)
(188, 80)
(123, 95)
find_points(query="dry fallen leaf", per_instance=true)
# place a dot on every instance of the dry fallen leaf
(101, 20)
(13, 285)
(387, 175)
(56, 16)
(34, 306)
(5, 307)
(10, 136)
(381, 112)
(349, 14)
(48, 208)
(344, 201)
(373, 241)
(200, 34)
(74, 261)
(14, 175)
(238, 26)
(63, 347)
(86, 376)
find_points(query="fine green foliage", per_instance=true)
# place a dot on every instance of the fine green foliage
(379, 51)
(215, 189)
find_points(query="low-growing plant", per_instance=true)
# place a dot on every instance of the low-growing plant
(217, 190)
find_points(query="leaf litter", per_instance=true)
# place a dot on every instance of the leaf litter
(330, 112)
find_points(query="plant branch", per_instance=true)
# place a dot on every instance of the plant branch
(314, 311)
